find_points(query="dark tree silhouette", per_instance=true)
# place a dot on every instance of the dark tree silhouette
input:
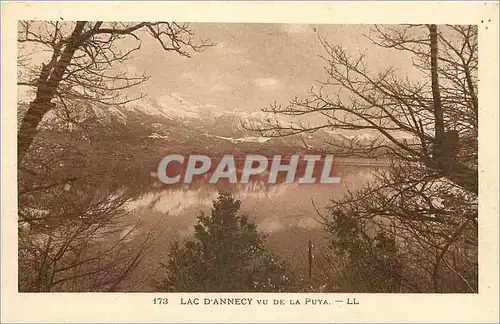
(227, 254)
(439, 113)
(82, 66)
(74, 230)
(427, 197)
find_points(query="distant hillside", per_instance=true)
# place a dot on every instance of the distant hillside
(156, 130)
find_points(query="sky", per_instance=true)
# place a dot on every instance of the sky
(250, 66)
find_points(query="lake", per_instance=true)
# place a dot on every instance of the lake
(286, 213)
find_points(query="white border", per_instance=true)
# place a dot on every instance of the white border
(135, 307)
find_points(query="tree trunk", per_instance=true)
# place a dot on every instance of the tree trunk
(436, 95)
(48, 82)
(445, 144)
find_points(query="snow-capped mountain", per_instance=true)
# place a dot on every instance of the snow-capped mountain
(171, 121)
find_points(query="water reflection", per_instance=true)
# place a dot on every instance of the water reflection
(274, 207)
(285, 212)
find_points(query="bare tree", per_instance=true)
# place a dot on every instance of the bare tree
(75, 233)
(432, 222)
(438, 113)
(82, 62)
(427, 199)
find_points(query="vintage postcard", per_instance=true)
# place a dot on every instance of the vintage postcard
(250, 162)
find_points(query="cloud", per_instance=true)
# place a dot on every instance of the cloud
(188, 76)
(218, 87)
(213, 82)
(229, 49)
(266, 83)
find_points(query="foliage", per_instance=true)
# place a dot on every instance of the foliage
(426, 129)
(75, 176)
(75, 233)
(226, 254)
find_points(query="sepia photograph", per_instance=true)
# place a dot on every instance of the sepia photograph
(234, 157)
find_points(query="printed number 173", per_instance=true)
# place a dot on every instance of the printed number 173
(160, 301)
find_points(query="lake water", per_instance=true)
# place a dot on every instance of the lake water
(287, 213)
